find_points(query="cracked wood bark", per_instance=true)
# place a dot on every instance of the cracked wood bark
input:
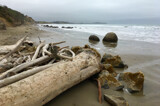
(41, 87)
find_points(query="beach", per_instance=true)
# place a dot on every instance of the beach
(138, 55)
(13, 34)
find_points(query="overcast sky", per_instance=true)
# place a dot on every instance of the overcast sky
(112, 11)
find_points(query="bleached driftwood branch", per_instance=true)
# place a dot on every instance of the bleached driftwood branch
(25, 65)
(10, 49)
(45, 51)
(62, 54)
(22, 75)
(37, 51)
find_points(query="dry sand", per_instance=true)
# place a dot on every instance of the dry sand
(12, 34)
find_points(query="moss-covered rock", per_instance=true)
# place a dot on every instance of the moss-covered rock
(134, 81)
(115, 61)
(108, 81)
(110, 69)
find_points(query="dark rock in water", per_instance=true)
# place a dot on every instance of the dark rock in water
(108, 81)
(50, 26)
(115, 61)
(67, 27)
(107, 44)
(134, 81)
(110, 69)
(45, 25)
(115, 100)
(94, 38)
(2, 26)
(110, 37)
(54, 27)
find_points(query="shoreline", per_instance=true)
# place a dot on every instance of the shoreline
(138, 55)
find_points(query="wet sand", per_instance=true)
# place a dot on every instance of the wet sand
(140, 56)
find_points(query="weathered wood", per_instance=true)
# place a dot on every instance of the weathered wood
(41, 87)
(99, 92)
(44, 50)
(10, 49)
(25, 65)
(58, 43)
(22, 75)
(63, 55)
(37, 51)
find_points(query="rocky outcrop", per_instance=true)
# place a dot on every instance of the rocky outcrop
(94, 38)
(115, 100)
(108, 81)
(134, 81)
(110, 37)
(2, 26)
(115, 61)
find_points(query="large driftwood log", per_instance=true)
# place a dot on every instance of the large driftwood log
(40, 88)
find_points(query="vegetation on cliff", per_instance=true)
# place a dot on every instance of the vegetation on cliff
(13, 18)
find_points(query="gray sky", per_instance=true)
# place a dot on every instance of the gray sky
(111, 11)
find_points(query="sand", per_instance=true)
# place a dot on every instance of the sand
(140, 56)
(13, 34)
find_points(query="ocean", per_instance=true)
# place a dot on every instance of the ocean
(125, 32)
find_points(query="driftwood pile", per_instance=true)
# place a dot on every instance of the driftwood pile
(32, 76)
(23, 59)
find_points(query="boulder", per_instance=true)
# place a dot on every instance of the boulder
(115, 61)
(115, 100)
(94, 38)
(110, 37)
(108, 81)
(2, 26)
(134, 81)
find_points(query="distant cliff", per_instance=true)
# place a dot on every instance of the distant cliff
(11, 17)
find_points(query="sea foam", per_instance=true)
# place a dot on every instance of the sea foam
(125, 32)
